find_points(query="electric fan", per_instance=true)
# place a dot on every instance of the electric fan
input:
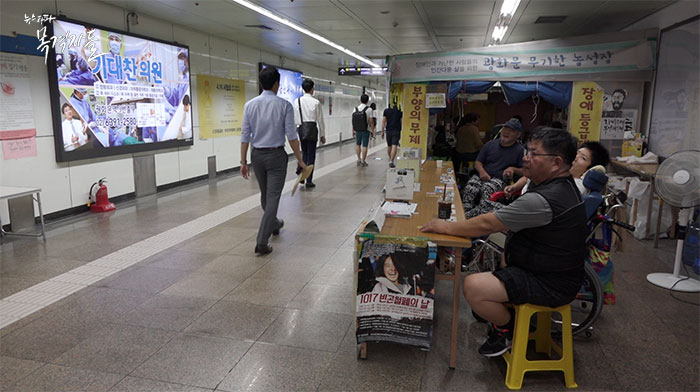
(677, 182)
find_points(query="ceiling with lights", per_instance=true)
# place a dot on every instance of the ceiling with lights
(334, 33)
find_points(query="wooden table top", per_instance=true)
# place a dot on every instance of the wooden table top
(427, 209)
(642, 169)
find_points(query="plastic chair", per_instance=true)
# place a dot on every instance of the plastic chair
(516, 357)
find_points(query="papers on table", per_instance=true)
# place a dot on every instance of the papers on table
(399, 209)
(375, 219)
(447, 179)
(399, 184)
(439, 189)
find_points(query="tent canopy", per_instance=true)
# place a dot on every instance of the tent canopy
(556, 93)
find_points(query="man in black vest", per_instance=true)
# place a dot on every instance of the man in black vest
(545, 248)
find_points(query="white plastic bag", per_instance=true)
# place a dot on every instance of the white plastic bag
(641, 191)
(617, 183)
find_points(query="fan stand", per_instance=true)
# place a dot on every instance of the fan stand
(675, 281)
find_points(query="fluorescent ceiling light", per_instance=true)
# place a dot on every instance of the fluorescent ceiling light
(278, 19)
(499, 32)
(509, 7)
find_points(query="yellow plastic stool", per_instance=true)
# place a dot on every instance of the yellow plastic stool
(516, 357)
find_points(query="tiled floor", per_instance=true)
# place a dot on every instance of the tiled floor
(204, 313)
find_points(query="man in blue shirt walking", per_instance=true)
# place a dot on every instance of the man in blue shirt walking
(267, 119)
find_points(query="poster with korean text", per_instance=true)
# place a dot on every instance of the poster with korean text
(414, 127)
(220, 106)
(114, 93)
(395, 290)
(586, 110)
(17, 129)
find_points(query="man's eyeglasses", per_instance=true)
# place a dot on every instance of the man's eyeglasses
(537, 154)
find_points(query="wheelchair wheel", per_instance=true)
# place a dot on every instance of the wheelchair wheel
(484, 259)
(587, 306)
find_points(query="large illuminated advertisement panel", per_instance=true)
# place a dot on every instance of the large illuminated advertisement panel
(116, 93)
(290, 83)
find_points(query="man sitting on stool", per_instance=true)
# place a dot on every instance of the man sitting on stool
(545, 248)
(498, 159)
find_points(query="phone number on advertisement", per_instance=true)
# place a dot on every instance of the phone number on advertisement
(116, 122)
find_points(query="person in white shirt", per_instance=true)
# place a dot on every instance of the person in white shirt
(185, 130)
(361, 128)
(74, 130)
(308, 118)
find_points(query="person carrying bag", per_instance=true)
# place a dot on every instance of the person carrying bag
(307, 130)
(310, 127)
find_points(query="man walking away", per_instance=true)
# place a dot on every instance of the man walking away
(361, 129)
(392, 125)
(308, 117)
(267, 119)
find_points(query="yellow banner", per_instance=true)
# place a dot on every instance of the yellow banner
(396, 95)
(220, 103)
(414, 129)
(586, 110)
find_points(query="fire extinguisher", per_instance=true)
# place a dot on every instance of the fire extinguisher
(99, 198)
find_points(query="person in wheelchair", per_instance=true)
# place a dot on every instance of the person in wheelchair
(545, 249)
(498, 161)
(591, 156)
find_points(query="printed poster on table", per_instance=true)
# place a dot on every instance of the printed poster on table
(220, 105)
(415, 118)
(586, 109)
(395, 289)
(16, 112)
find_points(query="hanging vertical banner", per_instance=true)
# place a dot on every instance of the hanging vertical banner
(220, 103)
(414, 127)
(586, 110)
(395, 289)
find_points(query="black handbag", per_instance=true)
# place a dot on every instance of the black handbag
(308, 130)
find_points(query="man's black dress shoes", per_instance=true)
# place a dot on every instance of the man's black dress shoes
(263, 249)
(277, 231)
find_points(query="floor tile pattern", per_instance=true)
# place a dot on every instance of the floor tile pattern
(172, 298)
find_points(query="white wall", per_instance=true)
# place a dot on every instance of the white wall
(668, 16)
(66, 185)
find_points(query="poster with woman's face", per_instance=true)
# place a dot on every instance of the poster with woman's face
(395, 290)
